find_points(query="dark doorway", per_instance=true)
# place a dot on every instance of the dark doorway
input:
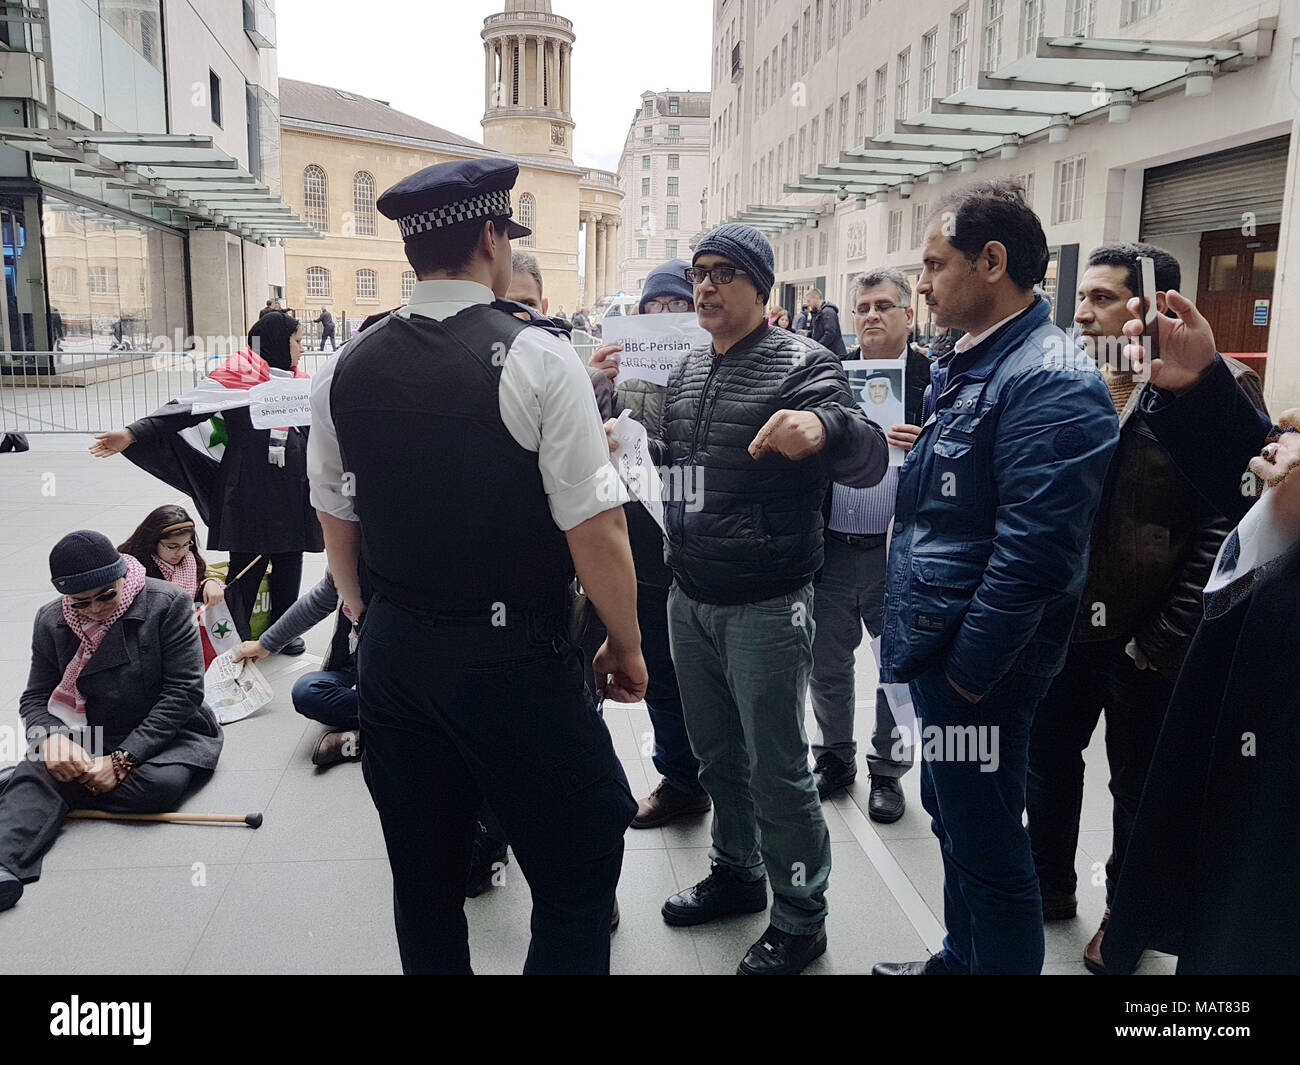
(1235, 288)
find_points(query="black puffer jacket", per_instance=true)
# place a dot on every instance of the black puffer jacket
(755, 531)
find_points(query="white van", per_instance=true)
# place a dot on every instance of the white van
(612, 307)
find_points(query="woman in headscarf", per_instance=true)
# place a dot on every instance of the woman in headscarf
(259, 508)
(113, 710)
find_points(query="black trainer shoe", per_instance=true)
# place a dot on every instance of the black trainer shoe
(885, 803)
(780, 953)
(717, 895)
(296, 646)
(934, 965)
(484, 860)
(831, 773)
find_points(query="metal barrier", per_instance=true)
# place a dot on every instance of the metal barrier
(93, 392)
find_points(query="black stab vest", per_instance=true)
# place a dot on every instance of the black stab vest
(454, 518)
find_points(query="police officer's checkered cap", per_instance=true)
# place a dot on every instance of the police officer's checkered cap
(488, 205)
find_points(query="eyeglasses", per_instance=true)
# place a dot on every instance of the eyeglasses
(177, 547)
(85, 604)
(881, 309)
(719, 275)
(675, 306)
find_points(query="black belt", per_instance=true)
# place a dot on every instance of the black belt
(863, 542)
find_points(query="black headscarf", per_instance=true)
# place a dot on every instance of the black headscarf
(270, 338)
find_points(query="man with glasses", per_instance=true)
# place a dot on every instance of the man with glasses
(851, 591)
(766, 421)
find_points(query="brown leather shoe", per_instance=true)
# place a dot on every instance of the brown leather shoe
(335, 747)
(1092, 952)
(666, 804)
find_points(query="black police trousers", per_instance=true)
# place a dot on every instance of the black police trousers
(454, 712)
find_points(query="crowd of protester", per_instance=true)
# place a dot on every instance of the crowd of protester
(1060, 541)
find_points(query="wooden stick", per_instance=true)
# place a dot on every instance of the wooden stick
(247, 568)
(251, 820)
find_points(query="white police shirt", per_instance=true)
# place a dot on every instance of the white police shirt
(546, 403)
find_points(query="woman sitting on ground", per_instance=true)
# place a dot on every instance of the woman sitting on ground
(114, 708)
(164, 544)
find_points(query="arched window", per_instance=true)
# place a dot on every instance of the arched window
(363, 203)
(408, 284)
(527, 217)
(318, 281)
(367, 285)
(315, 197)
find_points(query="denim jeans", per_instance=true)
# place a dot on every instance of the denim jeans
(743, 672)
(328, 696)
(991, 903)
(672, 748)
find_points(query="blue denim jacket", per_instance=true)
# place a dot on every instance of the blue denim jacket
(995, 506)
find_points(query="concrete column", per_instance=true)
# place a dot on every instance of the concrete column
(602, 257)
(541, 71)
(611, 257)
(522, 43)
(566, 60)
(589, 292)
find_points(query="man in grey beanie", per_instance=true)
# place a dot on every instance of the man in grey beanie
(762, 421)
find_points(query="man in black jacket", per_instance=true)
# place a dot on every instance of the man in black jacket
(762, 420)
(326, 323)
(851, 591)
(824, 323)
(1153, 543)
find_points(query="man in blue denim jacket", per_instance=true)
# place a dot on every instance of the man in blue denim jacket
(987, 561)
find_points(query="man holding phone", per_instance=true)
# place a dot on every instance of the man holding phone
(1152, 546)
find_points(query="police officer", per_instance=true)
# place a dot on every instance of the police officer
(463, 445)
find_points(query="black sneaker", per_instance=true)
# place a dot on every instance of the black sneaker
(934, 965)
(488, 856)
(1059, 905)
(831, 773)
(780, 953)
(885, 803)
(11, 889)
(717, 895)
(296, 646)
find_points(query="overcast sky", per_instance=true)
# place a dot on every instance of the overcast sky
(426, 58)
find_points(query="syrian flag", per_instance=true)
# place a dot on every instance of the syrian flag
(217, 631)
(188, 459)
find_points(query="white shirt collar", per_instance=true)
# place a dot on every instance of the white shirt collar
(430, 298)
(967, 342)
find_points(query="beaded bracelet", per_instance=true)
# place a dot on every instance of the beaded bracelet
(122, 765)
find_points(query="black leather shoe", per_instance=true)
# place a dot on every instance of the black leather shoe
(1059, 907)
(294, 647)
(11, 890)
(934, 965)
(831, 773)
(485, 859)
(717, 895)
(615, 917)
(886, 803)
(780, 953)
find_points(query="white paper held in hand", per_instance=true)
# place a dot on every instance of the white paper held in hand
(235, 690)
(632, 461)
(653, 343)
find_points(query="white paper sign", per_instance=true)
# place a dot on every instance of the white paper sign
(632, 460)
(878, 386)
(280, 402)
(235, 690)
(652, 343)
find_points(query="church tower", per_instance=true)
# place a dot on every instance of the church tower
(528, 58)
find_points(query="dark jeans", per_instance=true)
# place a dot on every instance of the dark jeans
(454, 712)
(328, 696)
(286, 576)
(33, 805)
(991, 905)
(327, 336)
(672, 748)
(850, 594)
(1097, 676)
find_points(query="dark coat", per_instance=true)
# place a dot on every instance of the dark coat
(143, 686)
(825, 329)
(1153, 545)
(253, 506)
(758, 532)
(1212, 866)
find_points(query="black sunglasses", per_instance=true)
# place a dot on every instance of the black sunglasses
(102, 597)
